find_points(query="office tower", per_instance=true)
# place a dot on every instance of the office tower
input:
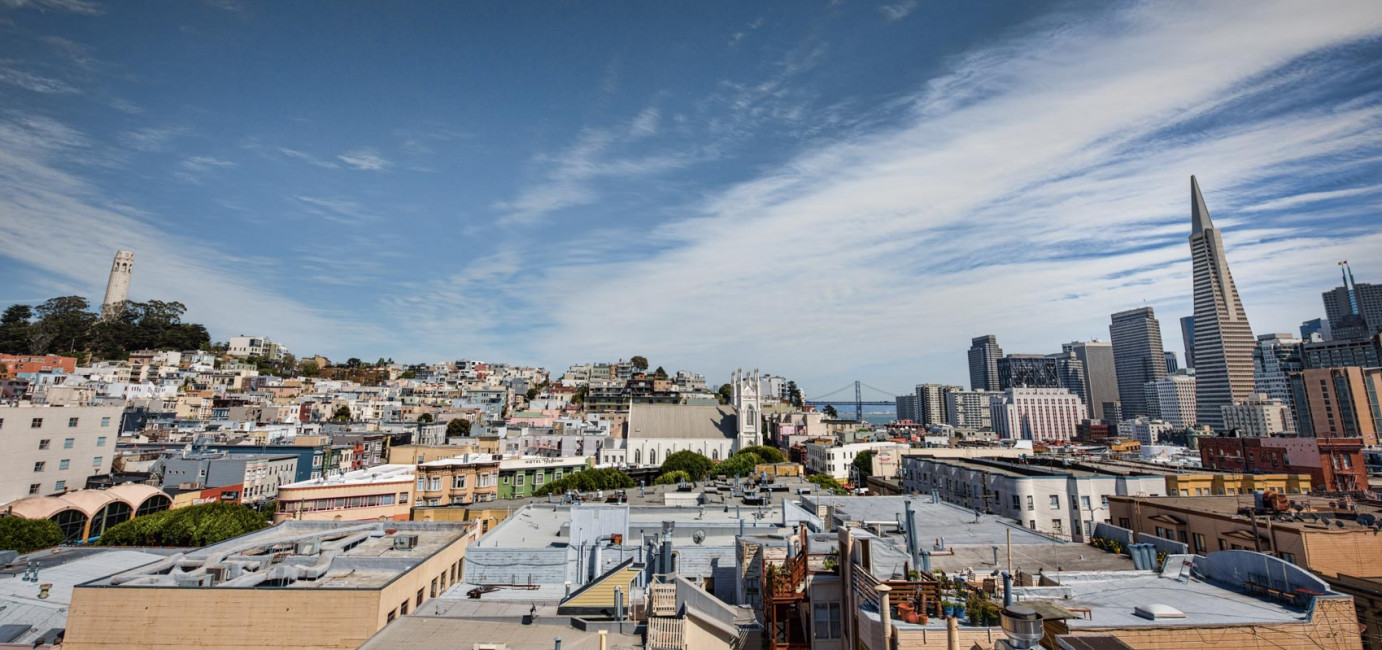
(1039, 414)
(930, 400)
(1100, 374)
(907, 408)
(1137, 356)
(1171, 365)
(1274, 359)
(1364, 353)
(1337, 402)
(983, 362)
(1258, 417)
(1172, 398)
(1187, 335)
(969, 409)
(1070, 374)
(118, 285)
(1354, 310)
(1223, 337)
(1315, 327)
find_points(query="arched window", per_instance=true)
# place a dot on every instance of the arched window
(638, 457)
(114, 513)
(715, 454)
(652, 456)
(72, 523)
(155, 503)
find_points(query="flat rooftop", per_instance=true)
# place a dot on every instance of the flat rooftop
(438, 633)
(376, 474)
(348, 555)
(1306, 520)
(1111, 597)
(541, 525)
(63, 568)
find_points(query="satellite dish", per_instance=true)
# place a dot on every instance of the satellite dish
(698, 536)
(1366, 519)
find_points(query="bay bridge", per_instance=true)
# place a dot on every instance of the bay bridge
(859, 401)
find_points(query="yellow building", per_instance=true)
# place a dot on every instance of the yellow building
(302, 585)
(414, 454)
(1215, 484)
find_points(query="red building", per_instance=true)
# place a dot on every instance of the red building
(1334, 464)
(21, 363)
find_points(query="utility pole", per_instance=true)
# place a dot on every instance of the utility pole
(858, 401)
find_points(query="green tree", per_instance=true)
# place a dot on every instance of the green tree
(672, 478)
(458, 428)
(660, 373)
(353, 362)
(24, 535)
(408, 374)
(426, 418)
(309, 368)
(740, 464)
(726, 393)
(63, 325)
(639, 362)
(863, 462)
(590, 480)
(14, 329)
(768, 454)
(827, 482)
(380, 363)
(199, 525)
(830, 411)
(692, 464)
(341, 414)
(581, 392)
(794, 394)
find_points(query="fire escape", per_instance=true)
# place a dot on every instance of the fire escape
(784, 603)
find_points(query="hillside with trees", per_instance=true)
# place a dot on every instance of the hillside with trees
(71, 326)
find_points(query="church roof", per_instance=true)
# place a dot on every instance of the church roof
(1199, 212)
(681, 421)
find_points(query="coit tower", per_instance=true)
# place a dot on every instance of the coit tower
(118, 287)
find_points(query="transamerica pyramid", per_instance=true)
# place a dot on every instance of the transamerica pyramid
(1223, 338)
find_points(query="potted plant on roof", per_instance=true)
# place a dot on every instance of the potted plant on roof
(947, 608)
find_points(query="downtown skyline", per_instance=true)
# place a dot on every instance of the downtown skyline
(817, 195)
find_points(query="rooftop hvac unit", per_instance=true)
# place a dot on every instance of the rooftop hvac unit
(309, 547)
(216, 573)
(405, 542)
(193, 580)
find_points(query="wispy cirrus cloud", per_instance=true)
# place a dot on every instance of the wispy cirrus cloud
(308, 158)
(203, 163)
(68, 6)
(364, 160)
(988, 203)
(154, 138)
(340, 210)
(898, 11)
(33, 82)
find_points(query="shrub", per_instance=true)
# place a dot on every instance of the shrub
(672, 478)
(693, 464)
(201, 525)
(590, 480)
(766, 453)
(740, 464)
(827, 482)
(24, 535)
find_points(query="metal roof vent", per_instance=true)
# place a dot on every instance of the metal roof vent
(1157, 611)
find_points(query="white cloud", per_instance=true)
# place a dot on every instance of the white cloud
(204, 163)
(898, 11)
(364, 160)
(153, 139)
(33, 82)
(308, 158)
(42, 206)
(1037, 168)
(69, 6)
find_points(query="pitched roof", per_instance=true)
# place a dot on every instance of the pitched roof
(681, 421)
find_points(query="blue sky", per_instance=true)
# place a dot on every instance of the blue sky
(824, 190)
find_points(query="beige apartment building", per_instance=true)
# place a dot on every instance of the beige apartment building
(464, 480)
(50, 450)
(300, 584)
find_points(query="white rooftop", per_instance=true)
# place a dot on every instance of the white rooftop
(376, 474)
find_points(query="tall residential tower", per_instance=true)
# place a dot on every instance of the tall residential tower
(1137, 356)
(1223, 337)
(983, 362)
